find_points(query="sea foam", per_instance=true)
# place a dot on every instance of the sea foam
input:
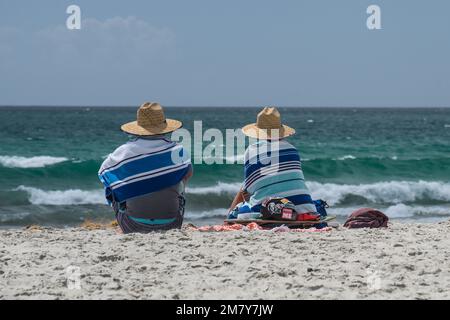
(398, 211)
(404, 211)
(219, 213)
(66, 197)
(381, 193)
(347, 157)
(392, 192)
(30, 162)
(219, 188)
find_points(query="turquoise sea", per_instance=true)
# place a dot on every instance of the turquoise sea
(393, 159)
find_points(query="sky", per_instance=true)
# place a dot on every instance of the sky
(225, 53)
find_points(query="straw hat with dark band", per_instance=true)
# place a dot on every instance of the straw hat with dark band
(268, 126)
(151, 121)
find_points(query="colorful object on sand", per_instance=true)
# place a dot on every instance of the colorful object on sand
(251, 227)
(251, 215)
(367, 218)
(241, 208)
(308, 217)
(275, 223)
(276, 212)
(278, 209)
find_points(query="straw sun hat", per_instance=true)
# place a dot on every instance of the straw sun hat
(151, 121)
(268, 126)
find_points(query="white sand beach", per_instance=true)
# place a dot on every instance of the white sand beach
(404, 261)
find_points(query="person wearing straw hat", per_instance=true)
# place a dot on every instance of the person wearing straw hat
(272, 167)
(144, 179)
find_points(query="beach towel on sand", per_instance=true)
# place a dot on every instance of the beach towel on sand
(251, 227)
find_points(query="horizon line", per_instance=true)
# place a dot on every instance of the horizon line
(213, 106)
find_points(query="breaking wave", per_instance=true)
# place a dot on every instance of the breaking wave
(398, 199)
(398, 211)
(60, 198)
(219, 188)
(207, 214)
(30, 162)
(392, 192)
(347, 157)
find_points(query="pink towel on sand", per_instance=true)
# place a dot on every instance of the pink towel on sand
(253, 226)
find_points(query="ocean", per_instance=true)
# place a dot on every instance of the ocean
(394, 159)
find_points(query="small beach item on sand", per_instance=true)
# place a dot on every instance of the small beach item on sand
(242, 208)
(367, 218)
(308, 217)
(250, 215)
(278, 209)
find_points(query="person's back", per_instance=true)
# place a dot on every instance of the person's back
(273, 169)
(144, 179)
(272, 166)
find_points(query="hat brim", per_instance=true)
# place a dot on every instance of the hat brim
(133, 128)
(252, 131)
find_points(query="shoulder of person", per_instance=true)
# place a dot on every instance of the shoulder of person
(284, 144)
(115, 156)
(253, 149)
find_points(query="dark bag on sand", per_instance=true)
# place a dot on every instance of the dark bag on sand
(367, 218)
(278, 209)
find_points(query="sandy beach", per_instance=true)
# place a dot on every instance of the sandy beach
(404, 261)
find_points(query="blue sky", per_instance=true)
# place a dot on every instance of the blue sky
(225, 53)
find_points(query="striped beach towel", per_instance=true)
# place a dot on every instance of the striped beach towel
(273, 169)
(142, 166)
